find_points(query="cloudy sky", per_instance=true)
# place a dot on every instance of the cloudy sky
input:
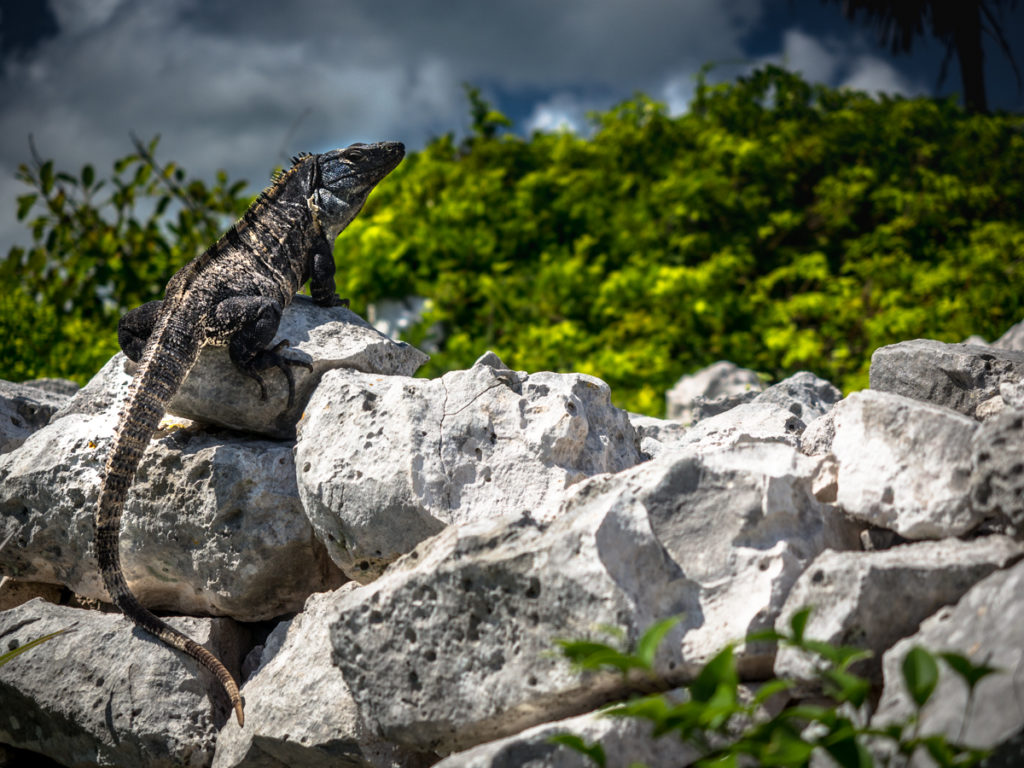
(245, 85)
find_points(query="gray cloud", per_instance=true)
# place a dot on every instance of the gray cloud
(243, 86)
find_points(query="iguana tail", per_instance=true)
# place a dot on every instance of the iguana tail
(169, 355)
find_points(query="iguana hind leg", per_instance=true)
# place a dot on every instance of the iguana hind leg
(135, 327)
(250, 323)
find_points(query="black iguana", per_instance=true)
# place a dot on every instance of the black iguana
(231, 295)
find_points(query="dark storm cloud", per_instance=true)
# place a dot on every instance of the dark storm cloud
(244, 85)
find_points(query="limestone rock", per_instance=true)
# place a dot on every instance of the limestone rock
(454, 644)
(451, 645)
(872, 599)
(13, 593)
(656, 434)
(625, 741)
(106, 693)
(817, 438)
(23, 410)
(997, 479)
(721, 380)
(986, 626)
(212, 524)
(103, 393)
(386, 461)
(215, 392)
(958, 376)
(743, 523)
(1012, 339)
(904, 464)
(1012, 394)
(778, 414)
(62, 387)
(299, 712)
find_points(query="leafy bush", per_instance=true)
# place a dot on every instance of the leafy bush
(100, 247)
(780, 225)
(730, 730)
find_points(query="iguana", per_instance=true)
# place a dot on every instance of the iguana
(231, 295)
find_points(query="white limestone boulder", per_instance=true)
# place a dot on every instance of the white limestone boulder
(215, 392)
(870, 600)
(105, 693)
(624, 741)
(987, 627)
(386, 461)
(299, 712)
(212, 525)
(904, 464)
(723, 381)
(957, 376)
(23, 410)
(1012, 339)
(743, 523)
(997, 477)
(454, 644)
(779, 414)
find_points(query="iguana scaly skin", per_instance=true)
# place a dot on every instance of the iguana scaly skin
(231, 295)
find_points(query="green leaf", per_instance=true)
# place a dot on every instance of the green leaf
(46, 177)
(798, 624)
(6, 657)
(971, 673)
(770, 688)
(921, 673)
(850, 753)
(25, 203)
(594, 751)
(720, 671)
(591, 655)
(647, 647)
(88, 175)
(847, 687)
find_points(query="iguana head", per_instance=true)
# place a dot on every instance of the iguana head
(343, 178)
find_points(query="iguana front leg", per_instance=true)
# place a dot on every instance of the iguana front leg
(135, 328)
(250, 323)
(321, 282)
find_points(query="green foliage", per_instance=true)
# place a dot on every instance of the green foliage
(780, 225)
(730, 729)
(99, 247)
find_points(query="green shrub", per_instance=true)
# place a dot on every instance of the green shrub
(730, 730)
(99, 248)
(777, 224)
(780, 225)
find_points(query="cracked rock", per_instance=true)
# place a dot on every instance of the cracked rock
(779, 414)
(386, 461)
(455, 644)
(904, 464)
(327, 338)
(212, 523)
(299, 712)
(106, 693)
(987, 627)
(870, 600)
(997, 479)
(712, 389)
(957, 376)
(23, 410)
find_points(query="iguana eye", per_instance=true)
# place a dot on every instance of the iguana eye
(354, 154)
